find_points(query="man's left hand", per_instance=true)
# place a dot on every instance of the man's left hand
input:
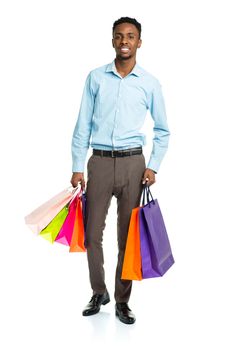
(148, 177)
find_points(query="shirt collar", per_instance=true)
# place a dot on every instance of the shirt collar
(111, 67)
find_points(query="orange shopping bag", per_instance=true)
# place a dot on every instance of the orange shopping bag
(132, 269)
(77, 241)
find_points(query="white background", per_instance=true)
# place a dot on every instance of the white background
(47, 49)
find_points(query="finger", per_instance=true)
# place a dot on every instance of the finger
(72, 183)
(151, 183)
(146, 180)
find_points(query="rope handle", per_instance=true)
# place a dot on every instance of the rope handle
(77, 192)
(147, 192)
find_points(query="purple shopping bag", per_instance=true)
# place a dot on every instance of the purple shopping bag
(84, 211)
(156, 254)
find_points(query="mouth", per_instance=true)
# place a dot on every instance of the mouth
(124, 49)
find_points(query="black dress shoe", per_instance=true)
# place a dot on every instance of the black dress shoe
(124, 313)
(95, 303)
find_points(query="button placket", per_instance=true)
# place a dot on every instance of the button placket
(117, 110)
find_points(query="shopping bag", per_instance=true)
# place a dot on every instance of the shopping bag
(51, 231)
(65, 234)
(156, 254)
(131, 269)
(84, 212)
(77, 241)
(38, 219)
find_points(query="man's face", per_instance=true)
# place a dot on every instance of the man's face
(126, 40)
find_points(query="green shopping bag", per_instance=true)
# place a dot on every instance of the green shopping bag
(51, 231)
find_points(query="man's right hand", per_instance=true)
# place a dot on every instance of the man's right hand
(78, 177)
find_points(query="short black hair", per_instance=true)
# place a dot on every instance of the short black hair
(128, 20)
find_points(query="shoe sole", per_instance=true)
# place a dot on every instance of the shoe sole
(95, 312)
(124, 321)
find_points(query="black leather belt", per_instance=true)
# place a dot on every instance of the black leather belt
(118, 153)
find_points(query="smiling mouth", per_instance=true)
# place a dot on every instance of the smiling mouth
(124, 49)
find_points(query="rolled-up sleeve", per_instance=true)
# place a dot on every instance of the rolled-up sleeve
(160, 129)
(82, 131)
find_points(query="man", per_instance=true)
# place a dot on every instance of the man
(114, 104)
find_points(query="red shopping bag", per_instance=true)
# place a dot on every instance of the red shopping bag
(77, 241)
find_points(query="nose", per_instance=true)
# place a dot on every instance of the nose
(124, 40)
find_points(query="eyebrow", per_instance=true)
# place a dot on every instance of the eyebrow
(123, 33)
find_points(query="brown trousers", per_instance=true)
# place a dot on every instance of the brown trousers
(121, 177)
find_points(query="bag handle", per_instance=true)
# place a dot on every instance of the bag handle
(75, 194)
(146, 190)
(71, 188)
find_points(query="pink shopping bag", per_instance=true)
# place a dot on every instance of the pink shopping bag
(38, 219)
(65, 234)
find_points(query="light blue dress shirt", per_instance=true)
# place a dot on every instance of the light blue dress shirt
(113, 110)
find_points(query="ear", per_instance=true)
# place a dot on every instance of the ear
(139, 43)
(112, 42)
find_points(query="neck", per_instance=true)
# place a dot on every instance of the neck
(125, 66)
